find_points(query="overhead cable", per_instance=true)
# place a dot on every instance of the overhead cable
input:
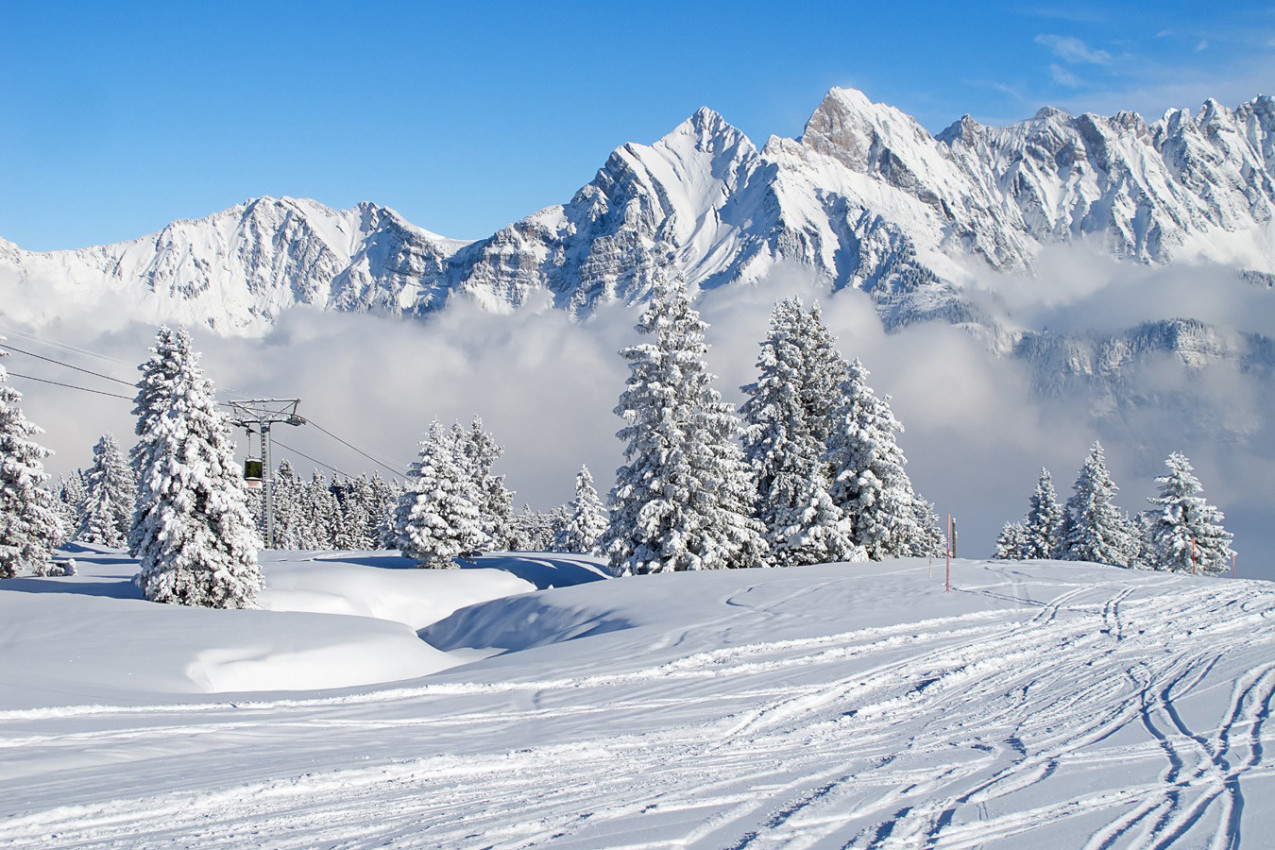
(7, 347)
(68, 386)
(355, 448)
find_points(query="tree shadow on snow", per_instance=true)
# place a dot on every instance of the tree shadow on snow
(121, 588)
(544, 570)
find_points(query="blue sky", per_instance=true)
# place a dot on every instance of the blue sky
(120, 117)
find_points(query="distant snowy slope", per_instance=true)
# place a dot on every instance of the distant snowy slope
(236, 270)
(866, 198)
(1041, 704)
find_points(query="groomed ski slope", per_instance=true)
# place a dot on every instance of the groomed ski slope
(1042, 704)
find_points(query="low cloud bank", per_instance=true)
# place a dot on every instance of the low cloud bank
(977, 431)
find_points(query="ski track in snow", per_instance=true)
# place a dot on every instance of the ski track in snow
(1092, 714)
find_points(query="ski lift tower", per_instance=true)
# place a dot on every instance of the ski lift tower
(261, 413)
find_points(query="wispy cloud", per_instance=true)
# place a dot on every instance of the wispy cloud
(1063, 77)
(1203, 45)
(1073, 50)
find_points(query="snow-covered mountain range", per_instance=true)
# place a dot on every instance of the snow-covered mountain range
(865, 198)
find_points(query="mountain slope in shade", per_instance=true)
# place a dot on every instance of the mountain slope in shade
(865, 198)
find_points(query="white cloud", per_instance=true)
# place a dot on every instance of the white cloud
(977, 431)
(1073, 50)
(1062, 76)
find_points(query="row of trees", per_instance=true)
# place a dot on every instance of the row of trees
(1180, 532)
(813, 472)
(809, 470)
(344, 513)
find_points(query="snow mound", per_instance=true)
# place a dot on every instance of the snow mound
(326, 621)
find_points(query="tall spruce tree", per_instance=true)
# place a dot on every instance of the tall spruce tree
(1092, 527)
(786, 422)
(195, 539)
(30, 524)
(870, 483)
(1040, 533)
(684, 500)
(440, 517)
(111, 492)
(1184, 531)
(586, 520)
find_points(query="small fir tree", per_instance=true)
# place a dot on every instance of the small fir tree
(1043, 518)
(1184, 531)
(1012, 544)
(287, 491)
(684, 500)
(586, 520)
(439, 517)
(30, 525)
(111, 492)
(1093, 528)
(68, 500)
(195, 539)
(478, 452)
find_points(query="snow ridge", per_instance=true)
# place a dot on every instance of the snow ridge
(865, 198)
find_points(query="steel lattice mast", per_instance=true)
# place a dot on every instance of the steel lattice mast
(262, 413)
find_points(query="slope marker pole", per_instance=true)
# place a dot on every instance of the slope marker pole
(947, 588)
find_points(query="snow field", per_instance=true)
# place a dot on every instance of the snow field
(853, 705)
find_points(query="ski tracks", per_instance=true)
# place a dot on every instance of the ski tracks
(1135, 720)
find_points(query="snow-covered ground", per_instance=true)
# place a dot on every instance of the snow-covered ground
(859, 705)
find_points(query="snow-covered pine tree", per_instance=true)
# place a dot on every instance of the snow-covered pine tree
(320, 514)
(784, 447)
(385, 495)
(439, 517)
(30, 525)
(684, 500)
(824, 374)
(927, 540)
(1043, 518)
(195, 540)
(586, 519)
(357, 531)
(287, 492)
(478, 451)
(68, 501)
(111, 492)
(1093, 528)
(159, 375)
(1012, 542)
(1184, 531)
(871, 485)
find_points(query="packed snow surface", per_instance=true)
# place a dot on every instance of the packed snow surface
(858, 705)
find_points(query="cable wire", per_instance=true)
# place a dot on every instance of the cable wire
(68, 386)
(300, 453)
(7, 347)
(37, 338)
(355, 448)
